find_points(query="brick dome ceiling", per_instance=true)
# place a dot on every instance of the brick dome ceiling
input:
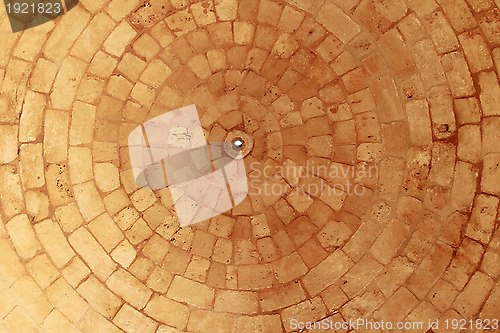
(378, 122)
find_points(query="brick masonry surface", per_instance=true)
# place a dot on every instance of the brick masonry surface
(408, 88)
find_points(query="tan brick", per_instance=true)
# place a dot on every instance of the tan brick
(467, 110)
(199, 321)
(155, 73)
(289, 268)
(442, 295)
(8, 143)
(139, 232)
(66, 300)
(491, 171)
(223, 250)
(260, 324)
(131, 66)
(469, 144)
(419, 245)
(411, 28)
(476, 51)
(490, 93)
(80, 164)
(394, 275)
(342, 26)
(88, 200)
(386, 96)
(43, 76)
(55, 139)
(167, 311)
(75, 272)
(130, 320)
(105, 231)
(363, 239)
(454, 226)
(64, 34)
(441, 32)
(90, 89)
(428, 63)
(118, 40)
(197, 269)
(281, 297)
(423, 312)
(143, 94)
(469, 301)
(18, 320)
(217, 59)
(285, 46)
(387, 244)
(327, 272)
(9, 263)
(102, 65)
(92, 253)
(124, 253)
(202, 14)
(181, 22)
(396, 53)
(191, 292)
(398, 306)
(31, 298)
(430, 269)
(99, 297)
(69, 217)
(464, 263)
(458, 74)
(94, 34)
(419, 122)
(360, 275)
(307, 311)
(106, 176)
(82, 123)
(37, 205)
(496, 56)
(23, 237)
(442, 164)
(162, 34)
(92, 321)
(54, 242)
(459, 14)
(104, 151)
(226, 9)
(334, 235)
(160, 279)
(129, 288)
(66, 83)
(31, 120)
(491, 135)
(119, 11)
(236, 302)
(57, 322)
(482, 221)
(118, 87)
(254, 277)
(156, 248)
(442, 116)
(334, 297)
(58, 184)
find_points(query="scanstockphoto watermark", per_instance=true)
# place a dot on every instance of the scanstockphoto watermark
(359, 324)
(311, 179)
(478, 324)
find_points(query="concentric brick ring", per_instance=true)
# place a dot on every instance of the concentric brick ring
(406, 90)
